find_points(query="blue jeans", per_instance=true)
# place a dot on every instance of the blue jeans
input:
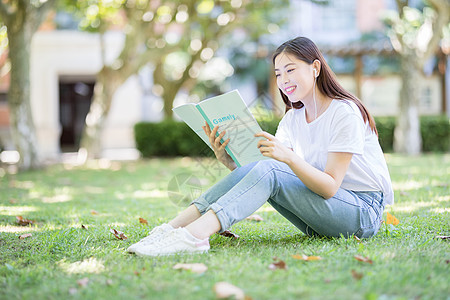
(247, 188)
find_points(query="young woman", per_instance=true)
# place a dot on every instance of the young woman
(327, 175)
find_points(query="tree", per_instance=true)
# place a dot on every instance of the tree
(208, 27)
(415, 35)
(22, 19)
(177, 37)
(99, 16)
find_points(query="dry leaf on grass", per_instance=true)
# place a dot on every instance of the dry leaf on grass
(277, 264)
(143, 221)
(229, 234)
(73, 291)
(118, 234)
(94, 212)
(226, 290)
(357, 275)
(22, 221)
(256, 218)
(83, 282)
(357, 239)
(390, 219)
(195, 267)
(306, 257)
(24, 236)
(363, 259)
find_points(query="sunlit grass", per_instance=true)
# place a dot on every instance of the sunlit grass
(73, 208)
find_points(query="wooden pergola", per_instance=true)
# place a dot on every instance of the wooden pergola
(358, 50)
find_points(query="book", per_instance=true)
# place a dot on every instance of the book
(230, 113)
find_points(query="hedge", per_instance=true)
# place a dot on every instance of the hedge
(170, 138)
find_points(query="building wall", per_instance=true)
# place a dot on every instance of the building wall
(73, 53)
(381, 94)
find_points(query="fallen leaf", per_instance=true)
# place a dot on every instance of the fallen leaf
(73, 291)
(22, 221)
(83, 282)
(118, 234)
(137, 273)
(277, 264)
(196, 267)
(357, 275)
(229, 234)
(24, 236)
(390, 219)
(83, 227)
(357, 239)
(256, 218)
(143, 221)
(225, 290)
(12, 201)
(443, 237)
(94, 212)
(363, 259)
(306, 258)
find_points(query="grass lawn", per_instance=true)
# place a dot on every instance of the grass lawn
(72, 254)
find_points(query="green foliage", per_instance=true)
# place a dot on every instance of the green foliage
(95, 15)
(435, 134)
(170, 138)
(385, 127)
(435, 131)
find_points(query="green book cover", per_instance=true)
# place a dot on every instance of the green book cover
(230, 113)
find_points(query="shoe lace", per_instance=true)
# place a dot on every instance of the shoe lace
(155, 233)
(169, 239)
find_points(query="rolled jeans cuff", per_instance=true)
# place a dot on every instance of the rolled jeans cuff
(223, 218)
(203, 206)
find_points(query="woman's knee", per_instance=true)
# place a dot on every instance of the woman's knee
(268, 164)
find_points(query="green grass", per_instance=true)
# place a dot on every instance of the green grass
(409, 262)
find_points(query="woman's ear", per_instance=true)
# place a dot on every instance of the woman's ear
(316, 66)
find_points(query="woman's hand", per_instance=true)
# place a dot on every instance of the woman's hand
(273, 148)
(219, 148)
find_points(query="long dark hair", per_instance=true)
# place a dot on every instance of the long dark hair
(305, 50)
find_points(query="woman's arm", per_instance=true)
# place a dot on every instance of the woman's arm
(219, 149)
(325, 183)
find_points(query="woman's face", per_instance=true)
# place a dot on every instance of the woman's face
(294, 77)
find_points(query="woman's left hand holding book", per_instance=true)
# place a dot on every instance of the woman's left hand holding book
(218, 147)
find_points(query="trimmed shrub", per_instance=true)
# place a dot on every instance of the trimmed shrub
(435, 133)
(170, 138)
(385, 127)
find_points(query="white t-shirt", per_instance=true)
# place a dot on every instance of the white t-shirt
(340, 128)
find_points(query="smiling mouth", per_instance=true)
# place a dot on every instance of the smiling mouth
(290, 89)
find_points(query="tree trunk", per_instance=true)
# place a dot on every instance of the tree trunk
(407, 138)
(22, 125)
(108, 81)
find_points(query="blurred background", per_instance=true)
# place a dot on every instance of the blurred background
(77, 76)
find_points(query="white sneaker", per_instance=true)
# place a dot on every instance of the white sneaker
(175, 242)
(155, 235)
